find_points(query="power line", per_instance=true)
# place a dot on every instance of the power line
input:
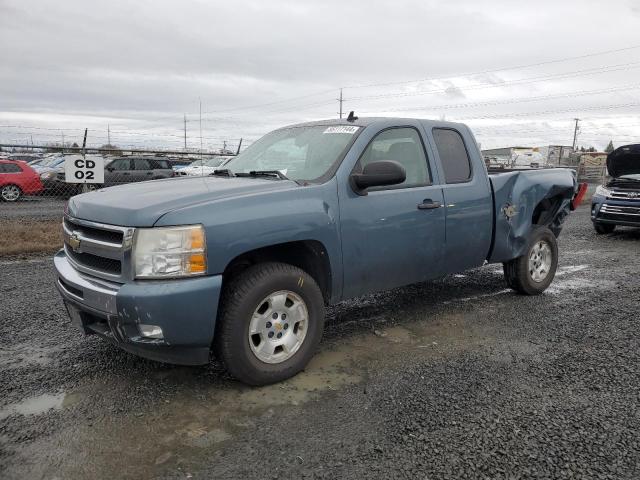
(484, 85)
(516, 100)
(501, 69)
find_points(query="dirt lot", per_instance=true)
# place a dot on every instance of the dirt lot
(458, 378)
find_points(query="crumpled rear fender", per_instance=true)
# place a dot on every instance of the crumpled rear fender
(525, 198)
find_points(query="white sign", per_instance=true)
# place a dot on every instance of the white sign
(84, 170)
(342, 129)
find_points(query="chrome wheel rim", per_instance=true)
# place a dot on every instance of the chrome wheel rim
(10, 193)
(540, 258)
(278, 327)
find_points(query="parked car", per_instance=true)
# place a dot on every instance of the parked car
(136, 169)
(244, 261)
(17, 179)
(202, 167)
(179, 163)
(48, 164)
(25, 157)
(618, 201)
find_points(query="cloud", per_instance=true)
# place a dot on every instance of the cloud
(145, 63)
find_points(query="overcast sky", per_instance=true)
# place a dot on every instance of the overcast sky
(139, 66)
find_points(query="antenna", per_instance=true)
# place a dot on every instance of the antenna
(351, 117)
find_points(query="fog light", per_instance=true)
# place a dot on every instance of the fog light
(150, 331)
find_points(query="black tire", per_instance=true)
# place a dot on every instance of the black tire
(10, 193)
(604, 228)
(240, 300)
(516, 271)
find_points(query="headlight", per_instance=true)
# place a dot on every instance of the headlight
(47, 175)
(603, 191)
(169, 252)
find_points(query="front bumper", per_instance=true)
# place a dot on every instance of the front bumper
(615, 212)
(185, 309)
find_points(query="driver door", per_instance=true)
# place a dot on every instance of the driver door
(394, 235)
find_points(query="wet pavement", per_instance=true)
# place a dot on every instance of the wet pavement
(449, 379)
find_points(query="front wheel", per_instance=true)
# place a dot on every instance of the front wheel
(533, 272)
(10, 193)
(271, 323)
(604, 228)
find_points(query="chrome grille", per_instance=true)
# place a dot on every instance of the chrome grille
(630, 196)
(97, 249)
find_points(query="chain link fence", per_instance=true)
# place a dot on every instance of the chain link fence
(38, 185)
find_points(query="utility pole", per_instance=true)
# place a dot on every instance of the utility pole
(239, 145)
(63, 140)
(185, 131)
(200, 128)
(224, 146)
(575, 133)
(108, 134)
(340, 101)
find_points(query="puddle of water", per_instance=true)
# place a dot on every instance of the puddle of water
(40, 404)
(34, 405)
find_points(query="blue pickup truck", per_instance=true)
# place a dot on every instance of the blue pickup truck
(242, 262)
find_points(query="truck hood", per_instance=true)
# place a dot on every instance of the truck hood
(624, 161)
(142, 204)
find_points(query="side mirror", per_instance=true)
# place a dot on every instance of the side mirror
(109, 169)
(376, 174)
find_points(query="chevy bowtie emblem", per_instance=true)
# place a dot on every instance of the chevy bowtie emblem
(74, 242)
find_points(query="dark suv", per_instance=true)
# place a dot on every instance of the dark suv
(136, 169)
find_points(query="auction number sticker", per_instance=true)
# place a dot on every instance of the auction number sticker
(84, 170)
(342, 129)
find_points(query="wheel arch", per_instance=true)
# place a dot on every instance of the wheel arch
(308, 255)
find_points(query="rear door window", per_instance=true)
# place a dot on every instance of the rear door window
(160, 164)
(141, 164)
(453, 155)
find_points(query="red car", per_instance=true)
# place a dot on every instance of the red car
(17, 179)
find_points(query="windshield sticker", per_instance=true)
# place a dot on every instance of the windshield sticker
(341, 129)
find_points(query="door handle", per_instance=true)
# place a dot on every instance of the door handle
(428, 205)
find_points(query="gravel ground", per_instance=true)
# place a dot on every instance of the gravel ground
(33, 208)
(458, 378)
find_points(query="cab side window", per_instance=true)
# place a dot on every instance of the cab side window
(453, 155)
(404, 146)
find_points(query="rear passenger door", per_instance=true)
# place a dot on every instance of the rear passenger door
(467, 200)
(140, 170)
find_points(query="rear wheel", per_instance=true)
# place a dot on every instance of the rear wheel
(10, 193)
(271, 323)
(603, 228)
(533, 272)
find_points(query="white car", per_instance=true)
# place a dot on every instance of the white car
(203, 167)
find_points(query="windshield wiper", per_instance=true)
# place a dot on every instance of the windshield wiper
(224, 171)
(264, 173)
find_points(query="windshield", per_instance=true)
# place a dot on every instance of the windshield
(633, 176)
(300, 153)
(213, 162)
(51, 161)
